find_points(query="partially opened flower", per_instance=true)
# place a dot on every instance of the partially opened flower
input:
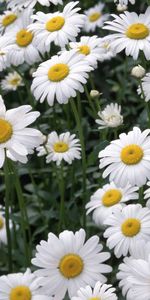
(106, 50)
(110, 116)
(3, 232)
(16, 140)
(11, 82)
(95, 17)
(125, 2)
(68, 263)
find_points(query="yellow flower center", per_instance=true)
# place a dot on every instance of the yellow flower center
(7, 20)
(1, 223)
(24, 38)
(95, 298)
(71, 265)
(131, 154)
(20, 293)
(111, 197)
(131, 227)
(137, 31)
(55, 24)
(84, 50)
(15, 81)
(5, 131)
(94, 17)
(61, 147)
(58, 72)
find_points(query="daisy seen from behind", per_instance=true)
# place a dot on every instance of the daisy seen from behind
(57, 27)
(105, 200)
(60, 147)
(11, 82)
(100, 291)
(68, 262)
(60, 77)
(16, 139)
(126, 226)
(145, 82)
(127, 159)
(132, 33)
(95, 17)
(110, 116)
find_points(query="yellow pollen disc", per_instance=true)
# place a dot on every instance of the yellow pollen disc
(20, 293)
(58, 72)
(55, 24)
(111, 197)
(61, 147)
(94, 17)
(5, 131)
(131, 227)
(95, 298)
(137, 31)
(7, 20)
(24, 38)
(14, 81)
(1, 223)
(131, 154)
(71, 265)
(84, 50)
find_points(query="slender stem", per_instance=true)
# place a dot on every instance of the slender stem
(147, 105)
(90, 102)
(62, 201)
(7, 213)
(81, 136)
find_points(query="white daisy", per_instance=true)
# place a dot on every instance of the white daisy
(99, 292)
(127, 225)
(147, 194)
(15, 137)
(105, 200)
(90, 47)
(8, 20)
(57, 27)
(11, 82)
(68, 263)
(106, 50)
(127, 159)
(125, 2)
(132, 33)
(110, 116)
(145, 87)
(140, 250)
(4, 51)
(31, 3)
(3, 232)
(60, 77)
(61, 147)
(95, 17)
(20, 286)
(22, 42)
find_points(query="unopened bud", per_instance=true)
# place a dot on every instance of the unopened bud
(95, 93)
(138, 71)
(121, 8)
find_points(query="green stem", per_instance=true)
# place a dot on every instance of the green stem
(81, 136)
(7, 214)
(62, 200)
(147, 105)
(90, 102)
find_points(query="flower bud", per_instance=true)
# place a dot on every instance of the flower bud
(95, 93)
(138, 71)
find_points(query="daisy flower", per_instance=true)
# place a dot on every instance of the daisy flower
(61, 147)
(19, 286)
(22, 42)
(57, 27)
(15, 137)
(105, 200)
(60, 77)
(3, 232)
(110, 116)
(145, 87)
(8, 20)
(127, 159)
(126, 226)
(31, 3)
(4, 51)
(106, 50)
(11, 82)
(147, 194)
(132, 33)
(100, 291)
(125, 2)
(95, 17)
(68, 263)
(89, 47)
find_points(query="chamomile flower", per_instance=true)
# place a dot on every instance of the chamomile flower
(15, 137)
(89, 47)
(68, 263)
(61, 147)
(110, 116)
(60, 77)
(100, 291)
(58, 27)
(126, 226)
(8, 20)
(22, 42)
(127, 159)
(106, 50)
(11, 82)
(31, 3)
(105, 200)
(132, 33)
(19, 286)
(3, 232)
(95, 17)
